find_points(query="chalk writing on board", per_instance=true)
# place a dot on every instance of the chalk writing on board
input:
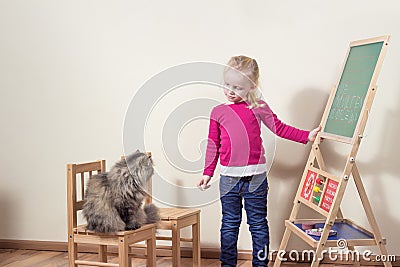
(347, 107)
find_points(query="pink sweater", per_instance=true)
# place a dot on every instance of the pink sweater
(235, 135)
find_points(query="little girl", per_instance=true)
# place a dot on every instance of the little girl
(235, 138)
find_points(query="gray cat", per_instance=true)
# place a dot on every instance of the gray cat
(113, 200)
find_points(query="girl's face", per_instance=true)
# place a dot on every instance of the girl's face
(236, 86)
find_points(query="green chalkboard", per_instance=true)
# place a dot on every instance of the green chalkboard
(352, 89)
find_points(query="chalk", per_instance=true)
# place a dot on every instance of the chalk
(204, 187)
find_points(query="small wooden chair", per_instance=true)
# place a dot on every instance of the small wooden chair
(175, 219)
(79, 235)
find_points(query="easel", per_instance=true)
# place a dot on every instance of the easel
(323, 191)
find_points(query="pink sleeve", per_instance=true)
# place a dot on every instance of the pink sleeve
(213, 144)
(290, 132)
(281, 129)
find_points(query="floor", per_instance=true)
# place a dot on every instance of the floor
(33, 258)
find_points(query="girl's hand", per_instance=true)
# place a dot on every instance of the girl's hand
(203, 183)
(313, 133)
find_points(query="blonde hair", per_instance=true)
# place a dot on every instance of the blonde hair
(249, 67)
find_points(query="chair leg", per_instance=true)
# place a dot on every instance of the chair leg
(72, 251)
(196, 242)
(151, 250)
(123, 251)
(102, 253)
(176, 245)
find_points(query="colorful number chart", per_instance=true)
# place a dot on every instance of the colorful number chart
(308, 185)
(329, 195)
(316, 191)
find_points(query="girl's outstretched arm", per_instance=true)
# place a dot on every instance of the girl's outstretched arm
(271, 120)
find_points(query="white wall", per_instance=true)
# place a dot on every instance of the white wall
(68, 70)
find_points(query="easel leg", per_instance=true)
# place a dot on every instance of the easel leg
(340, 214)
(370, 214)
(286, 234)
(321, 164)
(282, 247)
(315, 263)
(321, 243)
(356, 263)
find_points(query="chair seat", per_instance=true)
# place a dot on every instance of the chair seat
(81, 229)
(168, 214)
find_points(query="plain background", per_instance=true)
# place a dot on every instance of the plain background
(68, 70)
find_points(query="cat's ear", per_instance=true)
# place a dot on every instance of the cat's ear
(137, 151)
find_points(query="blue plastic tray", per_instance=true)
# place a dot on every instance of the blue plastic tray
(344, 231)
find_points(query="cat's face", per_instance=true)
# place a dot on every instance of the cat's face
(142, 164)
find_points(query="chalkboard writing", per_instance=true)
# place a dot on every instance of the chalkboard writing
(352, 89)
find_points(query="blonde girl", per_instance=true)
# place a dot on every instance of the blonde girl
(235, 139)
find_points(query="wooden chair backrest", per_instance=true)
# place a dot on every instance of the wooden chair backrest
(148, 199)
(75, 172)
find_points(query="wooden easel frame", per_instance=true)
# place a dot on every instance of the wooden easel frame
(316, 166)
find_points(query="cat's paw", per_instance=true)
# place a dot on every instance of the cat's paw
(132, 226)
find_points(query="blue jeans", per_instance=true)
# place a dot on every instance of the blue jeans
(253, 190)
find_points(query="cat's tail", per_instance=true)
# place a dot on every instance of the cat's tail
(152, 213)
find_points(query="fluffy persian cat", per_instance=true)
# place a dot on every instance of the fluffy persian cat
(114, 199)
